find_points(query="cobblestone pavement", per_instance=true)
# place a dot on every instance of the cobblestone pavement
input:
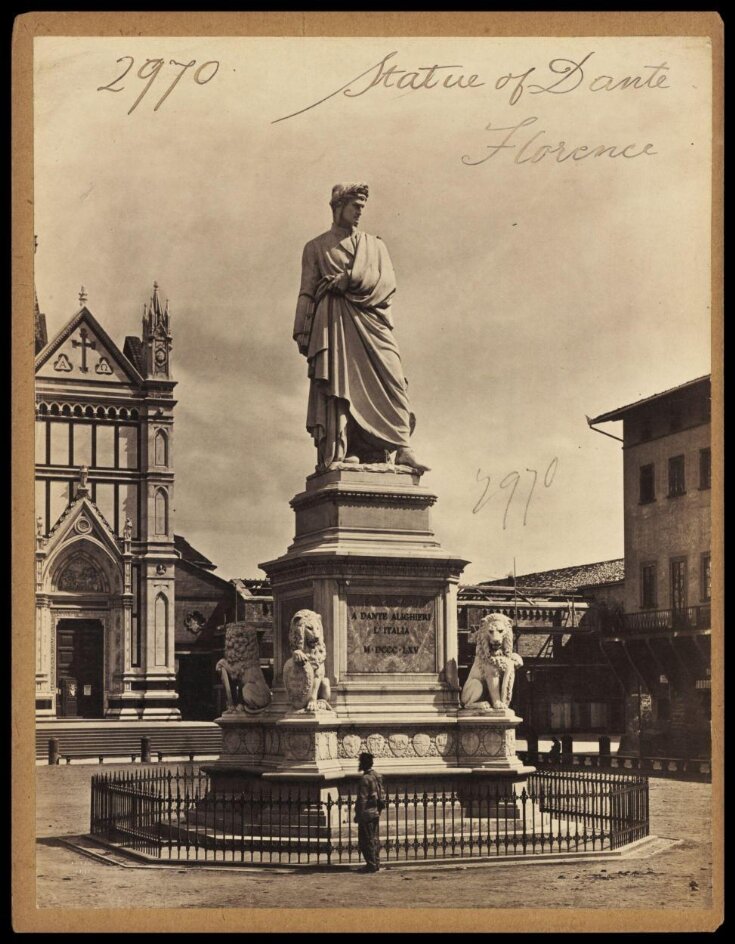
(678, 877)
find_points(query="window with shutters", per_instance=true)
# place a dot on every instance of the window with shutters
(705, 577)
(647, 484)
(678, 579)
(648, 586)
(677, 484)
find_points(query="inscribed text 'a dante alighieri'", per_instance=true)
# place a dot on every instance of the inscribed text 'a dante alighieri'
(394, 636)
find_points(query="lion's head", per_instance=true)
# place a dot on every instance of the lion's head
(494, 637)
(306, 630)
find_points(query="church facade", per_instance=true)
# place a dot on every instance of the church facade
(105, 555)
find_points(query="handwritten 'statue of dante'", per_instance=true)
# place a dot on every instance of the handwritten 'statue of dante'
(566, 75)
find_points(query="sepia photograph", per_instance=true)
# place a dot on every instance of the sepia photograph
(372, 569)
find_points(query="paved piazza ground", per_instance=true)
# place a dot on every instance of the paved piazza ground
(680, 876)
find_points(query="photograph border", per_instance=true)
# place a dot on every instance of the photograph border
(26, 916)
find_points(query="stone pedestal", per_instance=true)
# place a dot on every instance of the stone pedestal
(487, 741)
(365, 558)
(290, 746)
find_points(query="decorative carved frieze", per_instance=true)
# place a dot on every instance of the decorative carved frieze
(492, 743)
(257, 741)
(300, 745)
(487, 742)
(264, 742)
(469, 742)
(422, 743)
(272, 741)
(326, 745)
(349, 746)
(231, 743)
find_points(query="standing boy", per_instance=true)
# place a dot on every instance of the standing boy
(370, 804)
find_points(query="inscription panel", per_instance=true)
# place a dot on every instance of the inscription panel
(391, 633)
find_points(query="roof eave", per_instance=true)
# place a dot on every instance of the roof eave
(620, 412)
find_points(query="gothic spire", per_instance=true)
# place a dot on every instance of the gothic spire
(39, 319)
(155, 316)
(157, 336)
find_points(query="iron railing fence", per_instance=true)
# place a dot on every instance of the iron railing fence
(693, 768)
(174, 815)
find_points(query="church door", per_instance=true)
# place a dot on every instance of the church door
(79, 673)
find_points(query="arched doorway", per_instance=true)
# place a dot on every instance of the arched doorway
(79, 668)
(84, 618)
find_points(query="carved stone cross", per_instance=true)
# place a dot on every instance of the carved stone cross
(84, 344)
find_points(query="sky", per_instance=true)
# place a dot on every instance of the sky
(531, 291)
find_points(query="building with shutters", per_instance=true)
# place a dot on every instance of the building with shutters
(105, 554)
(658, 639)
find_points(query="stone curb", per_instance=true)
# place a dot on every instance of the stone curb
(126, 858)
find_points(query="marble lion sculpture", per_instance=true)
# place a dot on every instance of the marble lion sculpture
(245, 686)
(493, 671)
(303, 675)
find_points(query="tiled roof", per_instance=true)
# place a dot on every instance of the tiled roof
(566, 578)
(621, 410)
(40, 332)
(253, 587)
(191, 554)
(133, 350)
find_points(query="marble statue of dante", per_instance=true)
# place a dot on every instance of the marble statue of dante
(358, 399)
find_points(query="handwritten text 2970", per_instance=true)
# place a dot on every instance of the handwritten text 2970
(150, 70)
(511, 481)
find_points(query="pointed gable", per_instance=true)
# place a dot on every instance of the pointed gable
(83, 524)
(84, 351)
(81, 553)
(83, 507)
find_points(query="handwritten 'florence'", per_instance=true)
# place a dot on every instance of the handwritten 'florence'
(531, 150)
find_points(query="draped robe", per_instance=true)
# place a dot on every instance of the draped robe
(347, 337)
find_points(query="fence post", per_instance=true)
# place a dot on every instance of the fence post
(604, 751)
(145, 750)
(531, 747)
(567, 747)
(53, 751)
